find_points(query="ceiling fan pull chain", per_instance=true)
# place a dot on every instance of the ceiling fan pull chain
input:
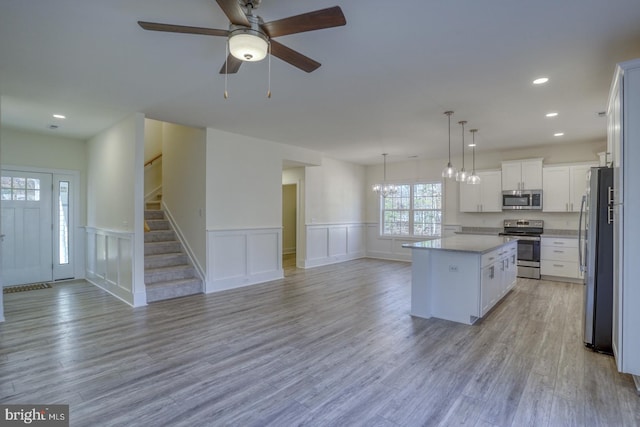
(226, 64)
(269, 83)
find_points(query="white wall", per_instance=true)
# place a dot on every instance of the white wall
(335, 192)
(335, 226)
(37, 150)
(152, 148)
(244, 207)
(184, 187)
(115, 214)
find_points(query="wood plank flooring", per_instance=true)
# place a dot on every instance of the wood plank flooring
(329, 346)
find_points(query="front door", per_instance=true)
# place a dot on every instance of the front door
(27, 226)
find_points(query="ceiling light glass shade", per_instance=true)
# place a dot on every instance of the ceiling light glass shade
(449, 171)
(462, 175)
(473, 179)
(248, 45)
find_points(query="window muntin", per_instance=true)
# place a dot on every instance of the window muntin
(20, 188)
(415, 210)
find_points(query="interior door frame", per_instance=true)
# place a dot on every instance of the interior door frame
(75, 237)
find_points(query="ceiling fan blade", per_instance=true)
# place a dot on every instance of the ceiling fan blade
(317, 20)
(234, 12)
(292, 57)
(232, 65)
(170, 28)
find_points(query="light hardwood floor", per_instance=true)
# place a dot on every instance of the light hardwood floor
(331, 345)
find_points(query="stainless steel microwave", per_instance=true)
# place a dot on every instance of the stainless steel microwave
(522, 199)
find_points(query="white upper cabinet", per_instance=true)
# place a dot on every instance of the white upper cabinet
(522, 174)
(483, 197)
(563, 187)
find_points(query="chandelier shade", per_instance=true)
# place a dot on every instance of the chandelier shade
(385, 189)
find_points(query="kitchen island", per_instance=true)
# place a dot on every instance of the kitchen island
(460, 278)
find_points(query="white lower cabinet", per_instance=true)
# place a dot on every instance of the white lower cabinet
(559, 257)
(499, 270)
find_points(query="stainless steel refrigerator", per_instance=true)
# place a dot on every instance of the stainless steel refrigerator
(596, 258)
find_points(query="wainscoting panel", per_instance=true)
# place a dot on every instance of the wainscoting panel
(110, 264)
(333, 243)
(387, 247)
(338, 241)
(243, 257)
(317, 243)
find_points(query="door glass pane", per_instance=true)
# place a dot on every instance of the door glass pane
(63, 229)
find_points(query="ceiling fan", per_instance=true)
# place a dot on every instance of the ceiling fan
(251, 39)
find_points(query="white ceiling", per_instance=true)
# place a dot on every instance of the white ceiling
(386, 77)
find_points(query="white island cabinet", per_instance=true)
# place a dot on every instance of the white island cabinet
(460, 278)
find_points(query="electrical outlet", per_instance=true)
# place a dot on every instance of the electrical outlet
(453, 268)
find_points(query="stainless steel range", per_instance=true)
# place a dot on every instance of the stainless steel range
(528, 232)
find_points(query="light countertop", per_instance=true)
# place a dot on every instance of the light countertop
(463, 243)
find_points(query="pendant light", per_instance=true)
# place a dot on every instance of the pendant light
(462, 174)
(385, 189)
(449, 171)
(473, 178)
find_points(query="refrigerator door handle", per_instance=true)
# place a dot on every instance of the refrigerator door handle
(580, 248)
(610, 206)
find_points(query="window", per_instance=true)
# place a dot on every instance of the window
(18, 188)
(415, 210)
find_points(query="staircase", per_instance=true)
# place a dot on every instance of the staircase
(168, 272)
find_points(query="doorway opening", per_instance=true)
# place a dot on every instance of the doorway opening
(289, 226)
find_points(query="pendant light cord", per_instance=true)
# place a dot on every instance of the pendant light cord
(449, 116)
(269, 83)
(462, 122)
(226, 73)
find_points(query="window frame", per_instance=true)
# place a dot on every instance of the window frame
(411, 211)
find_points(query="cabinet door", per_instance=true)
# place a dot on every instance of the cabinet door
(487, 285)
(578, 185)
(511, 176)
(490, 193)
(532, 174)
(556, 189)
(469, 197)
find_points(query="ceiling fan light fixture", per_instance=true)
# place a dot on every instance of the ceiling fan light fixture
(247, 44)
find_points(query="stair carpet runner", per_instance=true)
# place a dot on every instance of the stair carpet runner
(168, 272)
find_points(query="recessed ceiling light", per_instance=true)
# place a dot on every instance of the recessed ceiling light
(541, 80)
(552, 114)
(558, 134)
(59, 116)
(472, 145)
